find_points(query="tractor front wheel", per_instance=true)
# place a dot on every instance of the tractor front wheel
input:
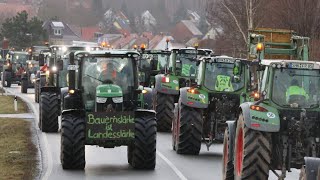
(49, 112)
(252, 153)
(36, 91)
(164, 105)
(142, 154)
(189, 130)
(72, 153)
(227, 157)
(24, 86)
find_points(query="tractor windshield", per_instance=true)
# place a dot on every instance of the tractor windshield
(108, 70)
(162, 60)
(19, 58)
(219, 77)
(296, 88)
(188, 64)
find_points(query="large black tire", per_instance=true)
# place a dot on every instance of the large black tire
(24, 86)
(311, 169)
(142, 154)
(252, 153)
(49, 112)
(189, 130)
(72, 154)
(174, 126)
(227, 157)
(6, 80)
(36, 91)
(164, 105)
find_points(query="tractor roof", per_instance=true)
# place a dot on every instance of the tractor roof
(108, 52)
(222, 59)
(294, 64)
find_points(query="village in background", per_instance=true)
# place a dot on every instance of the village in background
(117, 23)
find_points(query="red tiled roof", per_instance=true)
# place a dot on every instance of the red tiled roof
(87, 33)
(12, 8)
(124, 41)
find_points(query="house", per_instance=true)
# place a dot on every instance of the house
(116, 22)
(60, 33)
(185, 30)
(90, 33)
(148, 21)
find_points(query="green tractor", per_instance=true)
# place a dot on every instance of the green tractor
(180, 72)
(102, 108)
(28, 78)
(13, 68)
(52, 85)
(279, 129)
(204, 108)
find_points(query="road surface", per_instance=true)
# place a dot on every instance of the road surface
(112, 163)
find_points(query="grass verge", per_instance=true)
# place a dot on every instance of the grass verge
(18, 154)
(7, 105)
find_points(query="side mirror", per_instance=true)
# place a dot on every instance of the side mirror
(60, 65)
(236, 79)
(154, 64)
(41, 59)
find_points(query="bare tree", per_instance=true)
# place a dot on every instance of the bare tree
(234, 18)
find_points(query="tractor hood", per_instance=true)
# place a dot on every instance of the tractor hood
(109, 90)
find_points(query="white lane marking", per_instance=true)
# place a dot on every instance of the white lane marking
(45, 139)
(172, 166)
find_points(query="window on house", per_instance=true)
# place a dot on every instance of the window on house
(57, 32)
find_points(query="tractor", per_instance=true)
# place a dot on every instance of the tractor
(180, 72)
(102, 108)
(203, 109)
(280, 129)
(52, 84)
(13, 68)
(31, 68)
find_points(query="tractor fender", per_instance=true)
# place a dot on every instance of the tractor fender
(232, 133)
(194, 100)
(49, 89)
(172, 87)
(261, 121)
(63, 92)
(73, 111)
(312, 167)
(144, 112)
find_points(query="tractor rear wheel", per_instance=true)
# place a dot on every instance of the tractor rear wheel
(142, 154)
(36, 91)
(311, 169)
(72, 154)
(6, 79)
(24, 86)
(175, 126)
(164, 105)
(189, 130)
(252, 153)
(49, 112)
(227, 157)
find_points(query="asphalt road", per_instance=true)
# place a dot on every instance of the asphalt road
(112, 163)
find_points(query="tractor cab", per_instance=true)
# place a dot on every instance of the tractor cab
(109, 80)
(152, 62)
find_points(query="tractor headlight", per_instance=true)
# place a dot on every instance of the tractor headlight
(54, 69)
(101, 100)
(117, 99)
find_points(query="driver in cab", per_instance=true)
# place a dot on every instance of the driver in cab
(108, 72)
(295, 91)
